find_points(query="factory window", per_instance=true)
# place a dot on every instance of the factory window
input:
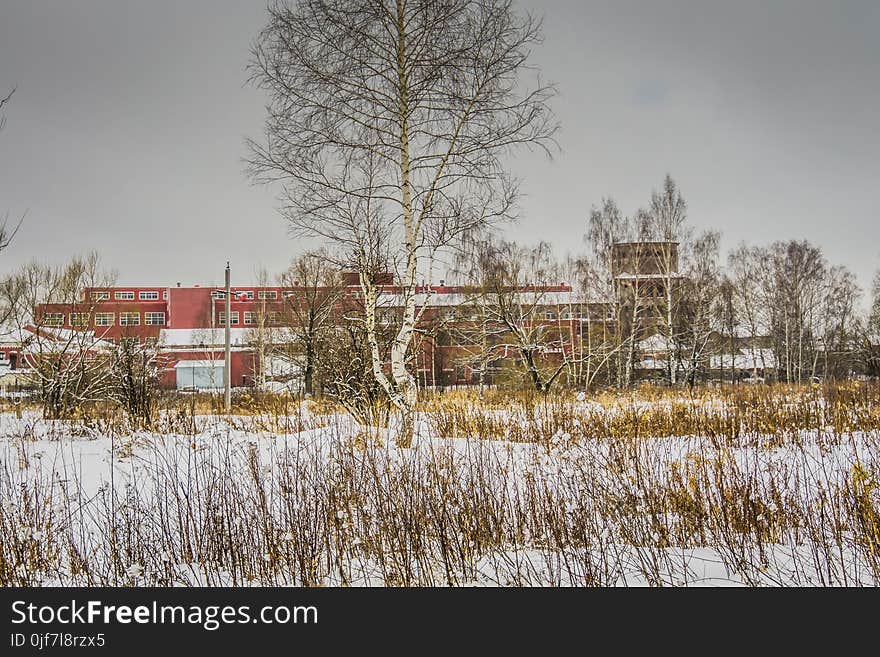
(53, 319)
(79, 319)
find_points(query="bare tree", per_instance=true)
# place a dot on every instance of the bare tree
(593, 340)
(7, 233)
(67, 357)
(263, 332)
(667, 215)
(311, 310)
(510, 309)
(870, 338)
(728, 321)
(135, 378)
(839, 324)
(346, 373)
(698, 304)
(874, 315)
(794, 292)
(617, 280)
(606, 227)
(387, 124)
(750, 276)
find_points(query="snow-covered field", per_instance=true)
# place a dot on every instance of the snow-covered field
(334, 504)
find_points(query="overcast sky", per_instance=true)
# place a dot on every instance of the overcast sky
(126, 132)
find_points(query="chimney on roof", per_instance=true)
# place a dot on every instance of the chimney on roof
(178, 285)
(442, 282)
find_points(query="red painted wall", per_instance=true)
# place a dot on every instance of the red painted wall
(194, 307)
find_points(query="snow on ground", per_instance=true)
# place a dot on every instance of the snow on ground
(160, 483)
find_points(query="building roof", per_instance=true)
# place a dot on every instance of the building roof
(60, 340)
(626, 276)
(746, 359)
(452, 299)
(203, 336)
(646, 242)
(656, 342)
(191, 364)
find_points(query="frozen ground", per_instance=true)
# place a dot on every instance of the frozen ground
(335, 505)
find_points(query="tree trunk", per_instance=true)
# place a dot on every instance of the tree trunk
(407, 388)
(308, 375)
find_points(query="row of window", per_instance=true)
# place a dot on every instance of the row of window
(148, 295)
(250, 318)
(105, 319)
(153, 295)
(263, 295)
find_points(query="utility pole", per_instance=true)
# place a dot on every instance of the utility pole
(227, 369)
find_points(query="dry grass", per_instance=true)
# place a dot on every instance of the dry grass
(774, 413)
(779, 485)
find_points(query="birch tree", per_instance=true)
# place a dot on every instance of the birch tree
(388, 124)
(750, 276)
(263, 334)
(701, 304)
(668, 216)
(794, 294)
(727, 319)
(594, 343)
(607, 229)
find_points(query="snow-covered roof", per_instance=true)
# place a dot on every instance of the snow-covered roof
(746, 359)
(190, 364)
(206, 337)
(203, 337)
(68, 335)
(745, 331)
(626, 276)
(655, 342)
(9, 333)
(61, 340)
(453, 299)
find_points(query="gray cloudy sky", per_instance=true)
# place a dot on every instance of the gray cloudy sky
(126, 132)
